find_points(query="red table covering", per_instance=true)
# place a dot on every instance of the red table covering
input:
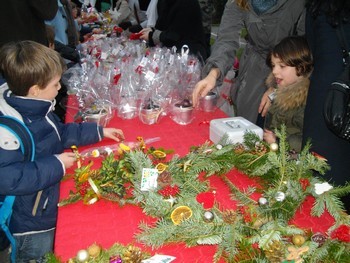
(106, 223)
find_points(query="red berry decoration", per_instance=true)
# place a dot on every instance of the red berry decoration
(168, 191)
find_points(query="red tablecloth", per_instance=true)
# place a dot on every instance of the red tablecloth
(105, 222)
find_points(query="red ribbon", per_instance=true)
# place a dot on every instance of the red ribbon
(135, 36)
(205, 122)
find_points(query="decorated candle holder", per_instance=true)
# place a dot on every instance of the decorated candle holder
(208, 102)
(150, 114)
(127, 109)
(101, 116)
(182, 112)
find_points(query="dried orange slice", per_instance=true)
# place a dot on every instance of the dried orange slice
(159, 154)
(180, 213)
(161, 167)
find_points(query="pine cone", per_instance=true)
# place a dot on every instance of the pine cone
(274, 252)
(229, 216)
(260, 148)
(239, 149)
(164, 179)
(132, 255)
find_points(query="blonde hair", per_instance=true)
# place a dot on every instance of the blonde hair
(28, 63)
(243, 4)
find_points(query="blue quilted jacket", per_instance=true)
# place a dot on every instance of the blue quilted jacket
(25, 179)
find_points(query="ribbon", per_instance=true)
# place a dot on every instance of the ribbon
(205, 122)
(95, 188)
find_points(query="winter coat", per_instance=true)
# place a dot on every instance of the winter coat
(180, 23)
(24, 19)
(264, 32)
(328, 65)
(63, 23)
(25, 179)
(288, 108)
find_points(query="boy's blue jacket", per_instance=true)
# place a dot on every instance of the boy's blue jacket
(25, 179)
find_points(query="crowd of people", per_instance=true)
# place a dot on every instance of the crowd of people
(291, 57)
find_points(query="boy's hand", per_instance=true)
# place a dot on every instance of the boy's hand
(114, 134)
(67, 158)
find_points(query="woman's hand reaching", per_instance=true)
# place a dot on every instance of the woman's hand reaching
(205, 85)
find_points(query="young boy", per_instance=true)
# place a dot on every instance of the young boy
(291, 64)
(32, 72)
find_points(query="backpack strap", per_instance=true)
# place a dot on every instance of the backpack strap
(21, 131)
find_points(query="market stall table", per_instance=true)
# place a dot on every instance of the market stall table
(106, 223)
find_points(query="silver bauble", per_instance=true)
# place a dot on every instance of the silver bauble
(280, 196)
(262, 201)
(208, 216)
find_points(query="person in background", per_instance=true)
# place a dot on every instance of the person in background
(66, 33)
(267, 23)
(291, 65)
(179, 23)
(33, 72)
(121, 12)
(81, 24)
(24, 20)
(138, 20)
(322, 20)
(207, 7)
(64, 25)
(50, 33)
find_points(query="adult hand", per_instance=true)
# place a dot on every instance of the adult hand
(114, 134)
(67, 158)
(269, 136)
(265, 102)
(145, 33)
(205, 85)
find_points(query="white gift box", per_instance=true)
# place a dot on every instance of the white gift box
(234, 127)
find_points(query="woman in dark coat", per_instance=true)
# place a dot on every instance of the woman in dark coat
(323, 17)
(179, 23)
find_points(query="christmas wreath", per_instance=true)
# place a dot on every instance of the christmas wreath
(183, 202)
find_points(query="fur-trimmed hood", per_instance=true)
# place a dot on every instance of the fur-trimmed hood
(292, 96)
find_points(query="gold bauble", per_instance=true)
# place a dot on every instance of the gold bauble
(94, 250)
(298, 240)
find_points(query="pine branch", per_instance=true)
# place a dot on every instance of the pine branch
(243, 198)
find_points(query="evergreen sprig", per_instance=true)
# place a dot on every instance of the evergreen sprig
(284, 179)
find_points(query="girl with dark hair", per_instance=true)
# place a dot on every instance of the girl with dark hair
(322, 20)
(291, 64)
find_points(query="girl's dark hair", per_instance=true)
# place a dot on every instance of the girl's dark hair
(294, 52)
(337, 11)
